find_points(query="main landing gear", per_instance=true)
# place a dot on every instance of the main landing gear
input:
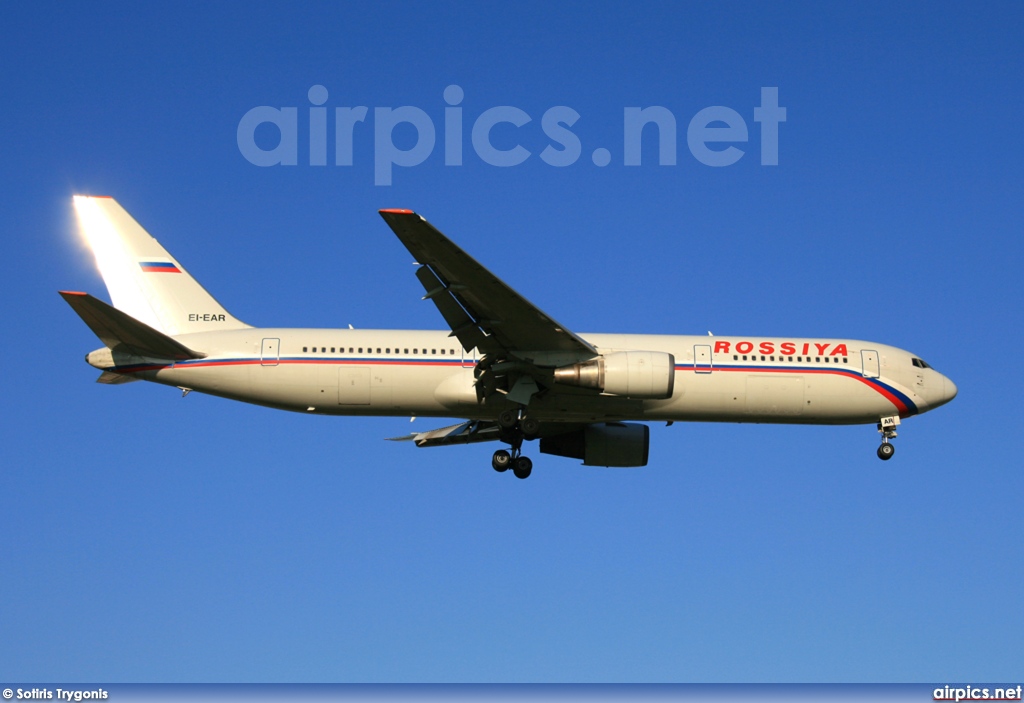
(887, 428)
(521, 466)
(514, 430)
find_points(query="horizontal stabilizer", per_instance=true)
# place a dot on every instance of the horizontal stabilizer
(113, 379)
(463, 433)
(122, 332)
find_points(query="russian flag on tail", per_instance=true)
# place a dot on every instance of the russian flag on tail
(159, 267)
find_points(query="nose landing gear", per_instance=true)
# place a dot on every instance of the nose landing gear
(887, 428)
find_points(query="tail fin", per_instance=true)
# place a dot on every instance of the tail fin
(143, 279)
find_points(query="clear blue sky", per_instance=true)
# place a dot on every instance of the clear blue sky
(148, 538)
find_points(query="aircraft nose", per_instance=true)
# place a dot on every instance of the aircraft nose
(939, 392)
(948, 390)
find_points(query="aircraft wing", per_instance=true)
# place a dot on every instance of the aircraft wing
(464, 433)
(482, 310)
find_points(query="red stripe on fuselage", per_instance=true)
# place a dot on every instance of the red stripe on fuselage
(886, 393)
(899, 404)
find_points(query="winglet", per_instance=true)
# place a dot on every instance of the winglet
(396, 211)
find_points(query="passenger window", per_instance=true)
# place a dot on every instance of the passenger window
(304, 349)
(433, 351)
(360, 350)
(442, 352)
(735, 358)
(772, 359)
(332, 350)
(790, 358)
(817, 359)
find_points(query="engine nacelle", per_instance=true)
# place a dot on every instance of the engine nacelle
(611, 444)
(630, 374)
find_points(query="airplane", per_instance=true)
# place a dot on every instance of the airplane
(507, 369)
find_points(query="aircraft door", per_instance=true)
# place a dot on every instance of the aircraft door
(869, 361)
(702, 358)
(270, 352)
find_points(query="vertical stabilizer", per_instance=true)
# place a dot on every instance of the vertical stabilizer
(143, 279)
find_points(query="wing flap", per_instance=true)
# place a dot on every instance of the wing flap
(463, 326)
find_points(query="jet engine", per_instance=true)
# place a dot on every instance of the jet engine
(630, 374)
(611, 444)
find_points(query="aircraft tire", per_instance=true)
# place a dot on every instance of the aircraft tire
(501, 460)
(530, 427)
(507, 419)
(522, 467)
(885, 451)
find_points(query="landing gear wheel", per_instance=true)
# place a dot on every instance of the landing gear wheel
(530, 426)
(508, 419)
(501, 460)
(522, 467)
(885, 451)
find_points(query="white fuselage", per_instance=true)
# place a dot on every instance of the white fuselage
(426, 373)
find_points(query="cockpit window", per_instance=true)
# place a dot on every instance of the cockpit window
(919, 363)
